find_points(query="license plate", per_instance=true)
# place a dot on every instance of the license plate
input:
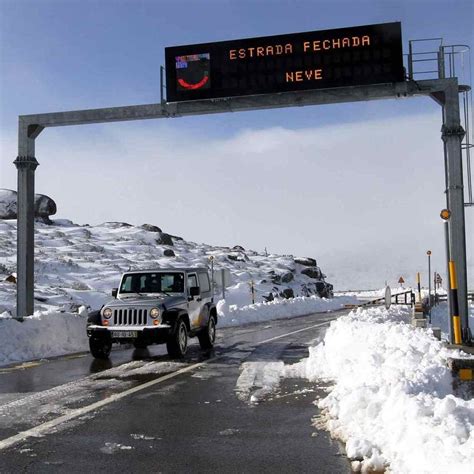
(124, 334)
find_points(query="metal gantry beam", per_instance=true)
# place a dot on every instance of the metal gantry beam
(444, 91)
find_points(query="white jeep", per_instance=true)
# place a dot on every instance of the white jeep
(155, 307)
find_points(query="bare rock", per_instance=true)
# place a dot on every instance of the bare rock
(306, 261)
(164, 239)
(117, 225)
(169, 253)
(312, 272)
(150, 228)
(287, 277)
(11, 278)
(44, 205)
(287, 293)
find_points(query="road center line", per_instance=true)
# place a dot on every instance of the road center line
(294, 332)
(43, 428)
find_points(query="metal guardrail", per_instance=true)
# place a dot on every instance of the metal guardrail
(405, 298)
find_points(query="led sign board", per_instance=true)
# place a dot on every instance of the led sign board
(353, 56)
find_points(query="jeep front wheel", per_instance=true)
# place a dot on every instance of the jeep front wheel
(100, 348)
(177, 343)
(208, 335)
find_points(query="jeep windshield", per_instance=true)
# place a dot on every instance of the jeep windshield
(152, 282)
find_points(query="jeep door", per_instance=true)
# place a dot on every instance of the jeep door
(194, 304)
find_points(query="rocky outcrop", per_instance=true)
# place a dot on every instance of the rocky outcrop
(164, 239)
(150, 228)
(44, 205)
(168, 253)
(312, 272)
(287, 293)
(306, 261)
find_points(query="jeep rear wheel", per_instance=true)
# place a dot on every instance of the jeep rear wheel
(100, 347)
(208, 335)
(177, 343)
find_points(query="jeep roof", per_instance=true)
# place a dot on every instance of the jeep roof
(170, 269)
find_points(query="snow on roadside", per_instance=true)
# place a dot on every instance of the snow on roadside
(233, 315)
(50, 333)
(45, 334)
(392, 400)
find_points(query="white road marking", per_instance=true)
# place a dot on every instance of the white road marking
(43, 428)
(294, 332)
(39, 430)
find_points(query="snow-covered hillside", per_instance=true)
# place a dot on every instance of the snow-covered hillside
(77, 265)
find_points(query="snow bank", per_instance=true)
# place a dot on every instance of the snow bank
(42, 335)
(392, 399)
(233, 315)
(50, 333)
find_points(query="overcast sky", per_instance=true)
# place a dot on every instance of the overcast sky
(358, 186)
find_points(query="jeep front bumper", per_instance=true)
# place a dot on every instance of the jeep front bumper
(147, 334)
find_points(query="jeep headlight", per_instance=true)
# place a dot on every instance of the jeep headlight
(107, 313)
(154, 313)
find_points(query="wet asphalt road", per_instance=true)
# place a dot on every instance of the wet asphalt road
(189, 418)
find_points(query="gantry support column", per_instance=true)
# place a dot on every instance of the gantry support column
(452, 135)
(26, 165)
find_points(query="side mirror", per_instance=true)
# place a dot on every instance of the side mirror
(114, 292)
(194, 291)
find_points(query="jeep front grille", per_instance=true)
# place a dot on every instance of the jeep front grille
(130, 317)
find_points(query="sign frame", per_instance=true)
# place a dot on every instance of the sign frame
(342, 57)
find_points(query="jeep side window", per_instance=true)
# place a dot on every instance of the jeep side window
(204, 282)
(192, 281)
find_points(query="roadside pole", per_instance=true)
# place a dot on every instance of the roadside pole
(445, 215)
(223, 282)
(429, 285)
(418, 282)
(453, 290)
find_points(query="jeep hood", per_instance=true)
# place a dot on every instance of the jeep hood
(146, 300)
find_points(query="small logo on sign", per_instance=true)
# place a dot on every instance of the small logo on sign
(193, 72)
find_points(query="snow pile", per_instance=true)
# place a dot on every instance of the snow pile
(46, 334)
(392, 399)
(233, 315)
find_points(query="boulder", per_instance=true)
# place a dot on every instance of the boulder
(11, 278)
(238, 248)
(312, 272)
(44, 205)
(235, 258)
(7, 204)
(287, 277)
(306, 261)
(287, 293)
(168, 253)
(150, 228)
(164, 239)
